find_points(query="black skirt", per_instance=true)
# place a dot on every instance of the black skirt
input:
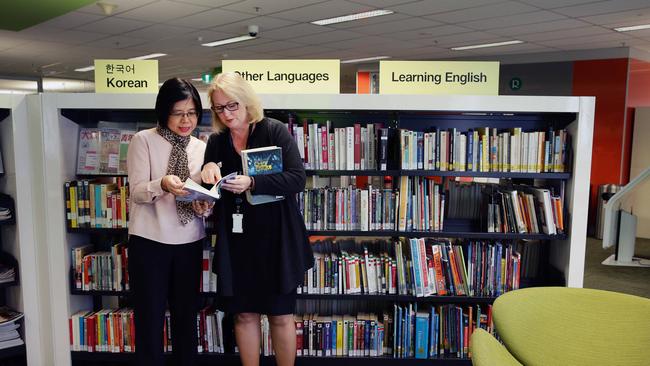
(269, 304)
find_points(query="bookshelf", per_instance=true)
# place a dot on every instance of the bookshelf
(61, 116)
(17, 239)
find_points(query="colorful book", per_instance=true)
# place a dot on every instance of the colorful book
(262, 161)
(88, 153)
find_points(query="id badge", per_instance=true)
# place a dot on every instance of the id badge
(237, 223)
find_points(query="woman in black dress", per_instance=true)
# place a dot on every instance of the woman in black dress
(260, 264)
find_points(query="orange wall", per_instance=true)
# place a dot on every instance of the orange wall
(606, 80)
(363, 82)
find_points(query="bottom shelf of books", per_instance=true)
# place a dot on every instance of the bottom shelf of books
(379, 301)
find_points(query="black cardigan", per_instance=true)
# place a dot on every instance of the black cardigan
(295, 252)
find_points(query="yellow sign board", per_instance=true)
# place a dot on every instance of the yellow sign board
(126, 76)
(288, 76)
(439, 77)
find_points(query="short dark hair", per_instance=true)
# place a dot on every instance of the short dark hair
(172, 91)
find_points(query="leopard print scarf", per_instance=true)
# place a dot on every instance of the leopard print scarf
(178, 166)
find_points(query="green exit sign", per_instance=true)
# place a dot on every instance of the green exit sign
(207, 77)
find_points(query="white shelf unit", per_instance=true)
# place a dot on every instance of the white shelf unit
(58, 146)
(30, 296)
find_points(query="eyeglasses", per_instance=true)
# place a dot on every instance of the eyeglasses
(232, 106)
(180, 115)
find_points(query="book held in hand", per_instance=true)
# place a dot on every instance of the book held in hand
(262, 161)
(198, 192)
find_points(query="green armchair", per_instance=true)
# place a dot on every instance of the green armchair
(565, 326)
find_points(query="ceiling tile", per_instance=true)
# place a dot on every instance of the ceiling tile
(602, 7)
(210, 18)
(263, 22)
(302, 51)
(327, 37)
(467, 39)
(113, 25)
(428, 34)
(356, 43)
(383, 4)
(68, 37)
(338, 54)
(425, 7)
(566, 33)
(71, 20)
(9, 42)
(158, 31)
(509, 21)
(294, 30)
(322, 10)
(265, 7)
(625, 18)
(515, 48)
(482, 12)
(119, 42)
(209, 3)
(551, 4)
(273, 46)
(614, 39)
(122, 6)
(162, 11)
(556, 25)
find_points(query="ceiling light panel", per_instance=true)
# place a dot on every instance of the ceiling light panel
(353, 17)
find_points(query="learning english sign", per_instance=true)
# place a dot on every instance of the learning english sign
(439, 77)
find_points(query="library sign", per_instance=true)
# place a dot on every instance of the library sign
(288, 76)
(126, 76)
(439, 77)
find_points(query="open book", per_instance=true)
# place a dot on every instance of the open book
(197, 192)
(262, 161)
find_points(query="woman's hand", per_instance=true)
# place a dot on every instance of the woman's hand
(238, 184)
(211, 173)
(173, 185)
(202, 208)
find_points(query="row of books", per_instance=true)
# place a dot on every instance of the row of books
(103, 150)
(418, 205)
(100, 271)
(418, 267)
(113, 330)
(404, 332)
(108, 271)
(484, 150)
(355, 147)
(99, 203)
(524, 210)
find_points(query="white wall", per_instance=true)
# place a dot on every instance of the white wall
(640, 200)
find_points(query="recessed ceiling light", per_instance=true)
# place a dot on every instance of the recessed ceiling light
(365, 59)
(351, 17)
(196, 79)
(632, 28)
(85, 69)
(228, 41)
(497, 44)
(145, 57)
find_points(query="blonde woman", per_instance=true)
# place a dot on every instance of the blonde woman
(262, 250)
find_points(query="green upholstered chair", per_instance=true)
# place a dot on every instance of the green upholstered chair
(565, 326)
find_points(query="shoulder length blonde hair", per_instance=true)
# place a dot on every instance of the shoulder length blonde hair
(235, 87)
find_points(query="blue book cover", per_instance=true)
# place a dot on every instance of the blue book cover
(421, 335)
(262, 161)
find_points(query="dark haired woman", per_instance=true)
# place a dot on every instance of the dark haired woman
(165, 235)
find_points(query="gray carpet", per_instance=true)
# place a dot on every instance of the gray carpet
(629, 280)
